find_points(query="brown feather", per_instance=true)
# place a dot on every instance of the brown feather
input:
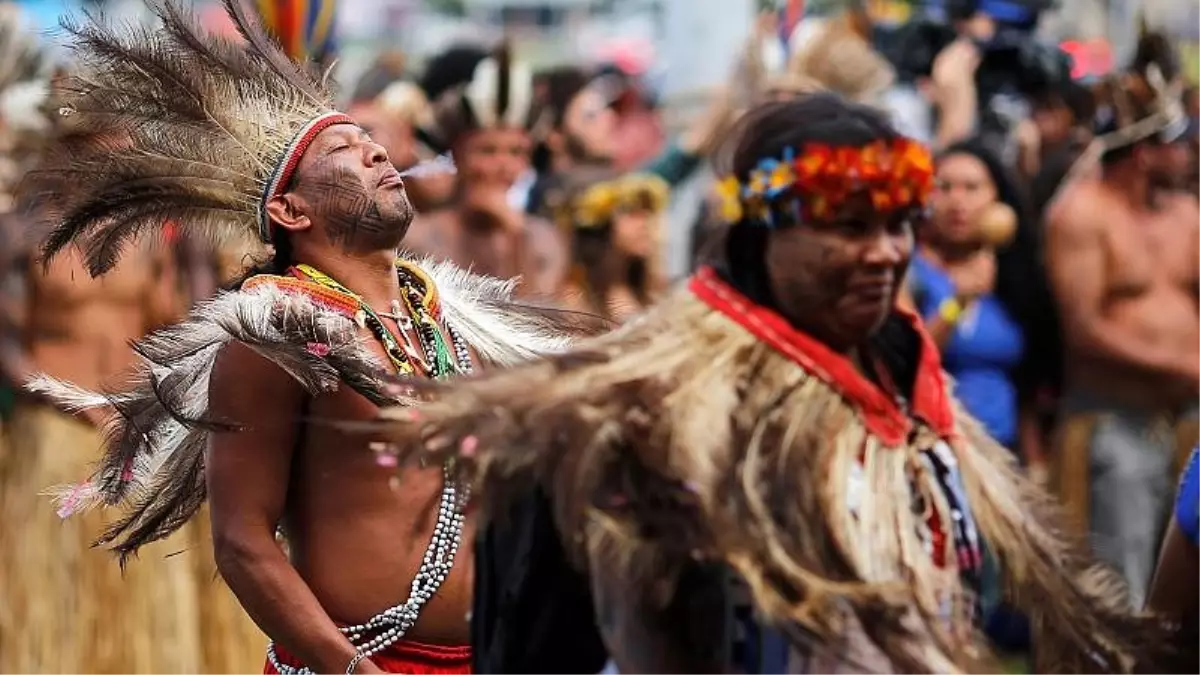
(171, 125)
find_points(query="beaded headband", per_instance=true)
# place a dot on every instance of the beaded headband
(285, 168)
(814, 184)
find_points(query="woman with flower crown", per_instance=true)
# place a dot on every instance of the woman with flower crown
(615, 225)
(779, 422)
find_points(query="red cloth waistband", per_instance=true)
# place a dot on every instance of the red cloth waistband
(404, 656)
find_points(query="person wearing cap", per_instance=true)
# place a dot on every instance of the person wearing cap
(1121, 257)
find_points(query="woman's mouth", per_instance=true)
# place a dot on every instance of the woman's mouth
(871, 291)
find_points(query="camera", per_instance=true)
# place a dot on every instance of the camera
(1014, 64)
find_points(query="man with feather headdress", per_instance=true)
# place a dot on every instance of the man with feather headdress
(485, 115)
(1121, 245)
(64, 608)
(235, 404)
(781, 421)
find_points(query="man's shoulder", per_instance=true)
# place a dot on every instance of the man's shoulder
(1083, 208)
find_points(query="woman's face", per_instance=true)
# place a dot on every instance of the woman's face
(633, 233)
(962, 189)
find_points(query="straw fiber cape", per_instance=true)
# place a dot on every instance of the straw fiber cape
(710, 430)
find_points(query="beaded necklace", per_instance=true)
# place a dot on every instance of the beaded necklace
(420, 299)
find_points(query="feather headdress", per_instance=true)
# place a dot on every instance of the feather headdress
(1147, 99)
(175, 125)
(498, 93)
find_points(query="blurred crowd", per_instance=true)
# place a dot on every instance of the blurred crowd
(1057, 268)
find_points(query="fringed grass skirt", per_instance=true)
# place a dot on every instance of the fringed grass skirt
(65, 606)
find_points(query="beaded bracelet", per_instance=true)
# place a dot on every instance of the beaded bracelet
(359, 655)
(950, 310)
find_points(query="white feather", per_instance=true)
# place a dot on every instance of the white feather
(520, 95)
(482, 91)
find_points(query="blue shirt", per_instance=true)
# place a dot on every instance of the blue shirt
(1187, 504)
(981, 354)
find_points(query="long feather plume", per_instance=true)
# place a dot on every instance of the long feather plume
(168, 125)
(499, 93)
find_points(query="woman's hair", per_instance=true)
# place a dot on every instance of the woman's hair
(591, 246)
(1021, 283)
(765, 132)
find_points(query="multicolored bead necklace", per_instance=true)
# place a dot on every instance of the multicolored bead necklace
(419, 296)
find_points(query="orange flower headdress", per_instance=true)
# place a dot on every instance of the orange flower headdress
(815, 183)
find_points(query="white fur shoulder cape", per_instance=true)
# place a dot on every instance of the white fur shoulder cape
(152, 468)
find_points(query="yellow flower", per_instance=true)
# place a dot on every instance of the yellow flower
(595, 206)
(729, 192)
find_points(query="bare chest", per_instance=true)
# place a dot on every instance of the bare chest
(1151, 251)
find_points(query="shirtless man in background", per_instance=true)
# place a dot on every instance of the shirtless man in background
(1121, 256)
(482, 228)
(67, 607)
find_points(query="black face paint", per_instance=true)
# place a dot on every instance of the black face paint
(357, 215)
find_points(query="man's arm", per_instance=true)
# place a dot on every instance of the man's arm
(1174, 587)
(247, 475)
(1076, 265)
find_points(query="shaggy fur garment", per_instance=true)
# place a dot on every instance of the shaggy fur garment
(682, 436)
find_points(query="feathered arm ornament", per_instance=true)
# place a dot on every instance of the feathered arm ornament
(659, 453)
(153, 465)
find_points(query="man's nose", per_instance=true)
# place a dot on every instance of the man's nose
(376, 154)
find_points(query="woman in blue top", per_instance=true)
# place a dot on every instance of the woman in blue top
(969, 295)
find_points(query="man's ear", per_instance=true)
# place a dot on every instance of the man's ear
(288, 211)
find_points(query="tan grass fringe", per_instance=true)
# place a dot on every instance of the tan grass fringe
(681, 436)
(66, 608)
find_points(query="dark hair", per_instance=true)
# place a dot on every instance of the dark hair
(277, 264)
(561, 86)
(451, 68)
(766, 131)
(556, 88)
(1021, 282)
